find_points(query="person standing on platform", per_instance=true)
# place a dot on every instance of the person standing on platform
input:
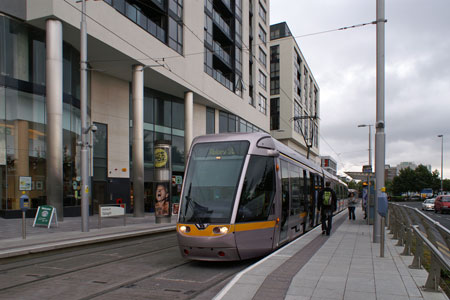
(351, 206)
(327, 205)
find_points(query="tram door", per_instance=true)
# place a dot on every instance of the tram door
(284, 201)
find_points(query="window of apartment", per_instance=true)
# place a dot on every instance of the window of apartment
(208, 30)
(306, 127)
(262, 13)
(262, 34)
(262, 80)
(238, 55)
(223, 122)
(209, 5)
(251, 99)
(316, 136)
(275, 53)
(100, 152)
(262, 104)
(238, 10)
(175, 35)
(274, 113)
(262, 57)
(176, 7)
(297, 113)
(232, 123)
(274, 86)
(208, 62)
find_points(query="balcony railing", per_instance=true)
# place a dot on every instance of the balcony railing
(219, 51)
(222, 24)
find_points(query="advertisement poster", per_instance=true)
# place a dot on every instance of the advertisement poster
(2, 150)
(162, 202)
(24, 183)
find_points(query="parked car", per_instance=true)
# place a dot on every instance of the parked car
(428, 204)
(442, 204)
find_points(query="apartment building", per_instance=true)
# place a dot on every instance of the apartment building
(200, 66)
(294, 95)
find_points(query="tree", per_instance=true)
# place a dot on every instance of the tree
(415, 180)
(404, 182)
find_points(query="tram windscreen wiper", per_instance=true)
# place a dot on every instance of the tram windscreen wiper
(193, 206)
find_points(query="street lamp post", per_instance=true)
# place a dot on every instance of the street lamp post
(370, 173)
(442, 161)
(370, 141)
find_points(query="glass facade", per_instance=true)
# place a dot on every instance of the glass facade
(163, 120)
(23, 115)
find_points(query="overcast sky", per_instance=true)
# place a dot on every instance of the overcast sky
(417, 98)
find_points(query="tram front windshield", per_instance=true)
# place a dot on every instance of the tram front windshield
(211, 182)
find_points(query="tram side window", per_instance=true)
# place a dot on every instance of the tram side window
(284, 192)
(296, 189)
(258, 190)
(306, 188)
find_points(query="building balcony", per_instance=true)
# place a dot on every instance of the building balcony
(222, 24)
(222, 54)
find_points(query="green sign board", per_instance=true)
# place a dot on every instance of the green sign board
(44, 216)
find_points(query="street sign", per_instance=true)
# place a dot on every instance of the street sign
(44, 216)
(111, 211)
(367, 169)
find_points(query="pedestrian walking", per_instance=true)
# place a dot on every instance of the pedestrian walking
(351, 206)
(327, 205)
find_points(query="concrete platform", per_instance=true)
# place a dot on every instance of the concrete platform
(344, 265)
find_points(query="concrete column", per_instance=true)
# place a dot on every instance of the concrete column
(188, 122)
(138, 139)
(54, 101)
(21, 163)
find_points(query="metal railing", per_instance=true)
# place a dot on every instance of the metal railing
(414, 230)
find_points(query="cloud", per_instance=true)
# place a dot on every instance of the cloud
(417, 76)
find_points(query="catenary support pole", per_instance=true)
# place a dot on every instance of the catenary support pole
(380, 133)
(84, 126)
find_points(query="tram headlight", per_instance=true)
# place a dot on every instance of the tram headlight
(184, 229)
(220, 230)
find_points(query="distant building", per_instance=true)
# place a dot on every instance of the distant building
(390, 172)
(294, 95)
(406, 164)
(411, 165)
(329, 164)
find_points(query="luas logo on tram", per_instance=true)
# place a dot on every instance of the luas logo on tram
(244, 195)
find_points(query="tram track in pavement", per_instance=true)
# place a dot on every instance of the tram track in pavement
(25, 261)
(153, 266)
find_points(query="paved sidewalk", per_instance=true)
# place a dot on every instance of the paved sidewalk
(68, 233)
(347, 266)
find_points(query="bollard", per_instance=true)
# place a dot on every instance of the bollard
(24, 226)
(382, 237)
